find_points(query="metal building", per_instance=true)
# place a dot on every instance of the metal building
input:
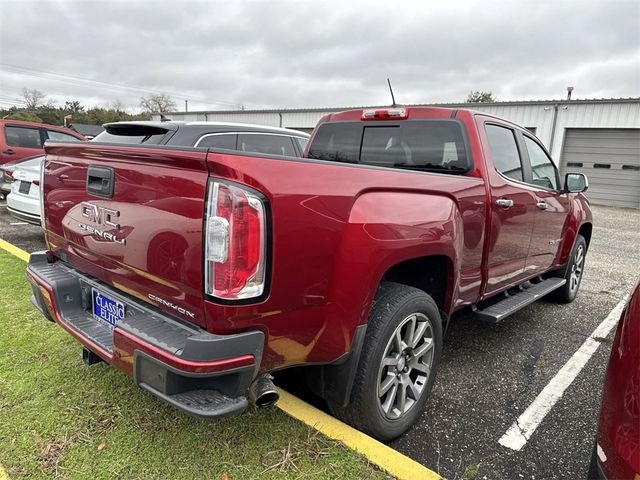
(600, 138)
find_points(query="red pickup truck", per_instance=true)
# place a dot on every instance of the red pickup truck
(198, 271)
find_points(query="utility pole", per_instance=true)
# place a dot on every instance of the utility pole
(186, 105)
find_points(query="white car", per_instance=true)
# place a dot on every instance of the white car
(23, 202)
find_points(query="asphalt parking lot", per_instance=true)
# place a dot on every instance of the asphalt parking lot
(491, 373)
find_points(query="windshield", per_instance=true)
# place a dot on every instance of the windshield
(427, 145)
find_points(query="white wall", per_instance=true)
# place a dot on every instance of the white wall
(570, 114)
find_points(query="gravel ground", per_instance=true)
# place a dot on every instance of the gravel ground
(491, 373)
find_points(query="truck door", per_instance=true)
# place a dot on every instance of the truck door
(551, 205)
(512, 209)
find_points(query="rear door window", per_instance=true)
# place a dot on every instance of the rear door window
(266, 143)
(25, 137)
(504, 151)
(428, 145)
(60, 136)
(219, 140)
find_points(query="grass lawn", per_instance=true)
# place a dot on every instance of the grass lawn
(59, 419)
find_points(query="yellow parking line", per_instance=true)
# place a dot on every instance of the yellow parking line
(3, 474)
(376, 452)
(385, 457)
(13, 250)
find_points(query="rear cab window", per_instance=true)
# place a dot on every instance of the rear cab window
(420, 145)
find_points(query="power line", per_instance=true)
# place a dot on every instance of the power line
(75, 79)
(11, 99)
(44, 74)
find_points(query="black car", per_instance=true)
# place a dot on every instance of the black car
(229, 136)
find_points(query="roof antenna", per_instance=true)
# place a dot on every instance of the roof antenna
(393, 99)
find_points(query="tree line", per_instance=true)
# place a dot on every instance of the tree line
(35, 106)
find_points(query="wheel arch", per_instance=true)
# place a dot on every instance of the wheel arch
(586, 229)
(433, 274)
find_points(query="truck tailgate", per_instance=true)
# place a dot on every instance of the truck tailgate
(131, 217)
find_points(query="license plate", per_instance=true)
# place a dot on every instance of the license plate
(24, 187)
(106, 308)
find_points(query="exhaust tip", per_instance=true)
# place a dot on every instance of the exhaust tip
(263, 392)
(267, 399)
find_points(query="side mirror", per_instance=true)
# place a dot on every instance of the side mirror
(575, 183)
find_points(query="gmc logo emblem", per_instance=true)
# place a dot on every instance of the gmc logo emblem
(100, 215)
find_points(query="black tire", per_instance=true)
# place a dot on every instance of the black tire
(395, 306)
(575, 266)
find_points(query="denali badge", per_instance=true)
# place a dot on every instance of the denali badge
(171, 305)
(101, 216)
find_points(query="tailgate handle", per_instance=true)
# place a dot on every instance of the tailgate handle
(100, 181)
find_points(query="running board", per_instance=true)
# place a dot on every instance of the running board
(511, 304)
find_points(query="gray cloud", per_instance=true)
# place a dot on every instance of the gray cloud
(311, 54)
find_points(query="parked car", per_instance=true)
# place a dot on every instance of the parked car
(25, 139)
(6, 174)
(243, 137)
(616, 454)
(23, 202)
(6, 177)
(199, 271)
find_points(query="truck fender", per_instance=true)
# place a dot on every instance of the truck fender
(384, 229)
(388, 228)
(579, 217)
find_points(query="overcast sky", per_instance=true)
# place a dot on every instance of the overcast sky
(288, 54)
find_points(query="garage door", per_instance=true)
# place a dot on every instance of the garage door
(611, 160)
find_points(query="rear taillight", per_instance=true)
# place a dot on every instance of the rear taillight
(9, 176)
(41, 186)
(235, 242)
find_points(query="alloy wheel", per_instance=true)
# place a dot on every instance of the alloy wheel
(405, 366)
(576, 268)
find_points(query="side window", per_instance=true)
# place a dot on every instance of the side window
(266, 143)
(504, 151)
(542, 168)
(64, 137)
(23, 137)
(226, 141)
(302, 142)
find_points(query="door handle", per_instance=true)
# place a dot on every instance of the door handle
(8, 152)
(504, 203)
(542, 205)
(100, 181)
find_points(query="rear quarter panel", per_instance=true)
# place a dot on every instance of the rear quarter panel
(334, 236)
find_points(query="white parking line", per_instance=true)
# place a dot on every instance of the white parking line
(519, 433)
(18, 223)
